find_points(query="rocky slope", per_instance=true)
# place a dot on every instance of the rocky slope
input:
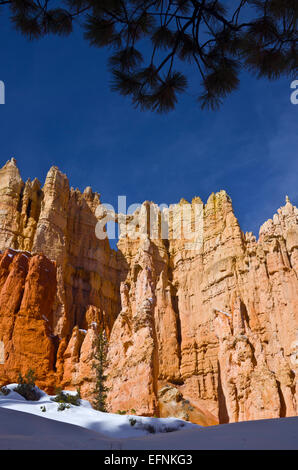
(202, 326)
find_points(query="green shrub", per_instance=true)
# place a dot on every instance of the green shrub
(119, 412)
(63, 406)
(26, 386)
(4, 391)
(63, 397)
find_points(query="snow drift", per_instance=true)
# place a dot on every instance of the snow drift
(39, 425)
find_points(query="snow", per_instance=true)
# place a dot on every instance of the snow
(22, 431)
(24, 426)
(109, 424)
(11, 255)
(20, 251)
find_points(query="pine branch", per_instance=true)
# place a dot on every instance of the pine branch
(201, 32)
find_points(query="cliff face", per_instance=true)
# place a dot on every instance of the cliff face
(27, 292)
(59, 222)
(202, 326)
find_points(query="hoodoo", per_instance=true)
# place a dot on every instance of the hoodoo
(203, 326)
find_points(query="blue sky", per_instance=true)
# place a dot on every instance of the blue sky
(59, 111)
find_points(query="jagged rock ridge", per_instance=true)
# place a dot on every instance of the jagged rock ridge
(208, 334)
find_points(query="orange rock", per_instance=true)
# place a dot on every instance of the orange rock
(26, 303)
(202, 326)
(235, 365)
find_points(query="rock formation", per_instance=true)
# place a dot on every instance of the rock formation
(202, 319)
(28, 290)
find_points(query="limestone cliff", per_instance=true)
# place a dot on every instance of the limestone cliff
(203, 325)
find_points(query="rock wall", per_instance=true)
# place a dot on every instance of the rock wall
(59, 222)
(203, 325)
(27, 292)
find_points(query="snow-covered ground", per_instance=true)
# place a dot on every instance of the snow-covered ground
(23, 425)
(107, 424)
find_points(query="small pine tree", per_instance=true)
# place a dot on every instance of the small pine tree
(26, 386)
(100, 365)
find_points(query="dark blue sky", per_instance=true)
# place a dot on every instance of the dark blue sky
(59, 111)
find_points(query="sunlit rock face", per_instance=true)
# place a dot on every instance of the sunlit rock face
(59, 223)
(27, 291)
(202, 319)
